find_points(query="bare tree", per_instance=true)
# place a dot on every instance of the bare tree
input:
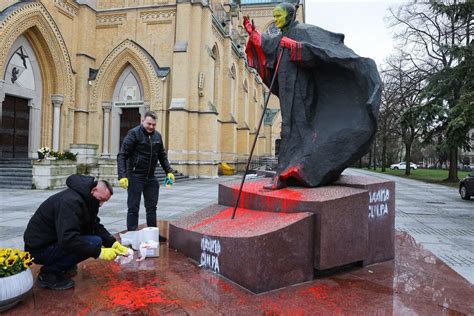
(403, 88)
(431, 37)
(388, 117)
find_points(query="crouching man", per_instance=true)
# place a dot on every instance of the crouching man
(65, 230)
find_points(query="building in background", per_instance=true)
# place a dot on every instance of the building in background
(76, 75)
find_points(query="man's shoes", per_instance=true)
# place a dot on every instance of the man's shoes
(70, 272)
(163, 239)
(54, 281)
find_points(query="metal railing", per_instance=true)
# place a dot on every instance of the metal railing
(258, 163)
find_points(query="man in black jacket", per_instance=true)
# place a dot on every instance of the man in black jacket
(136, 162)
(65, 230)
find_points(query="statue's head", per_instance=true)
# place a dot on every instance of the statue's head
(283, 15)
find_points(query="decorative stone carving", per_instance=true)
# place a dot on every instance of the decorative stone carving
(257, 13)
(232, 72)
(158, 16)
(110, 20)
(66, 7)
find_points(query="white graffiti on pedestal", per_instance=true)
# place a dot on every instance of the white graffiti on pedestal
(378, 203)
(210, 250)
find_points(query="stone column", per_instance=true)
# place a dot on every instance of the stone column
(143, 109)
(107, 107)
(57, 101)
(2, 97)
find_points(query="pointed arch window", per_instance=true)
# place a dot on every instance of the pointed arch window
(128, 89)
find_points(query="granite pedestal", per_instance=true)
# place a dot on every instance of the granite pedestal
(270, 236)
(381, 215)
(260, 251)
(340, 232)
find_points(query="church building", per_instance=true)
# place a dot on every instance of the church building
(76, 75)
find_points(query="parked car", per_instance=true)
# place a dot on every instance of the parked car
(402, 166)
(466, 187)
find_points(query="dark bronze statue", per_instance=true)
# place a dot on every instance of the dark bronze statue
(329, 98)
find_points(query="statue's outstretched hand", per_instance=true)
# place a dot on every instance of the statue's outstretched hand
(248, 25)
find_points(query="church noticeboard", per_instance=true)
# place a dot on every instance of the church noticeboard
(126, 104)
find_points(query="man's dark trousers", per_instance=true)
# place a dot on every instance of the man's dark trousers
(150, 188)
(56, 259)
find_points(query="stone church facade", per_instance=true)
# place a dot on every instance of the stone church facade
(76, 75)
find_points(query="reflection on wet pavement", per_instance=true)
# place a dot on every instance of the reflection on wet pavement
(416, 282)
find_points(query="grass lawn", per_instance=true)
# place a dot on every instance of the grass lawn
(428, 175)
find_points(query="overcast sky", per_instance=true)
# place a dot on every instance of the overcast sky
(361, 21)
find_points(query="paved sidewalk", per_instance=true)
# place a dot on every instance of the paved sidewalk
(416, 282)
(437, 218)
(433, 214)
(17, 206)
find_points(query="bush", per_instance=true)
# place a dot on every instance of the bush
(67, 155)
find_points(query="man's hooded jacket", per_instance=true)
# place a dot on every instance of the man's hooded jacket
(65, 216)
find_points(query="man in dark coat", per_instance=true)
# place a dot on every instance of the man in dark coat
(329, 98)
(136, 162)
(66, 230)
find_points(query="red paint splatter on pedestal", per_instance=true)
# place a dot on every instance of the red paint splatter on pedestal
(255, 196)
(248, 223)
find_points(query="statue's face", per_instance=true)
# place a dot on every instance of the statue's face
(279, 16)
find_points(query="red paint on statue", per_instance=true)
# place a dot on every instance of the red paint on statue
(292, 172)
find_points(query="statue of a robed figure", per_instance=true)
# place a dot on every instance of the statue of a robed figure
(329, 98)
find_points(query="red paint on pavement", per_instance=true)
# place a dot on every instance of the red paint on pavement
(83, 312)
(124, 293)
(114, 267)
(318, 292)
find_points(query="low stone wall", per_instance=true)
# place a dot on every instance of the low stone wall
(106, 169)
(87, 157)
(52, 174)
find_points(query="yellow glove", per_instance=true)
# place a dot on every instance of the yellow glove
(170, 176)
(108, 254)
(123, 183)
(121, 250)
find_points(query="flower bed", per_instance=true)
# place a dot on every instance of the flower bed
(52, 174)
(16, 279)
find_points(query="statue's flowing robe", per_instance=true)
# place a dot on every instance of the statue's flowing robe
(329, 99)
